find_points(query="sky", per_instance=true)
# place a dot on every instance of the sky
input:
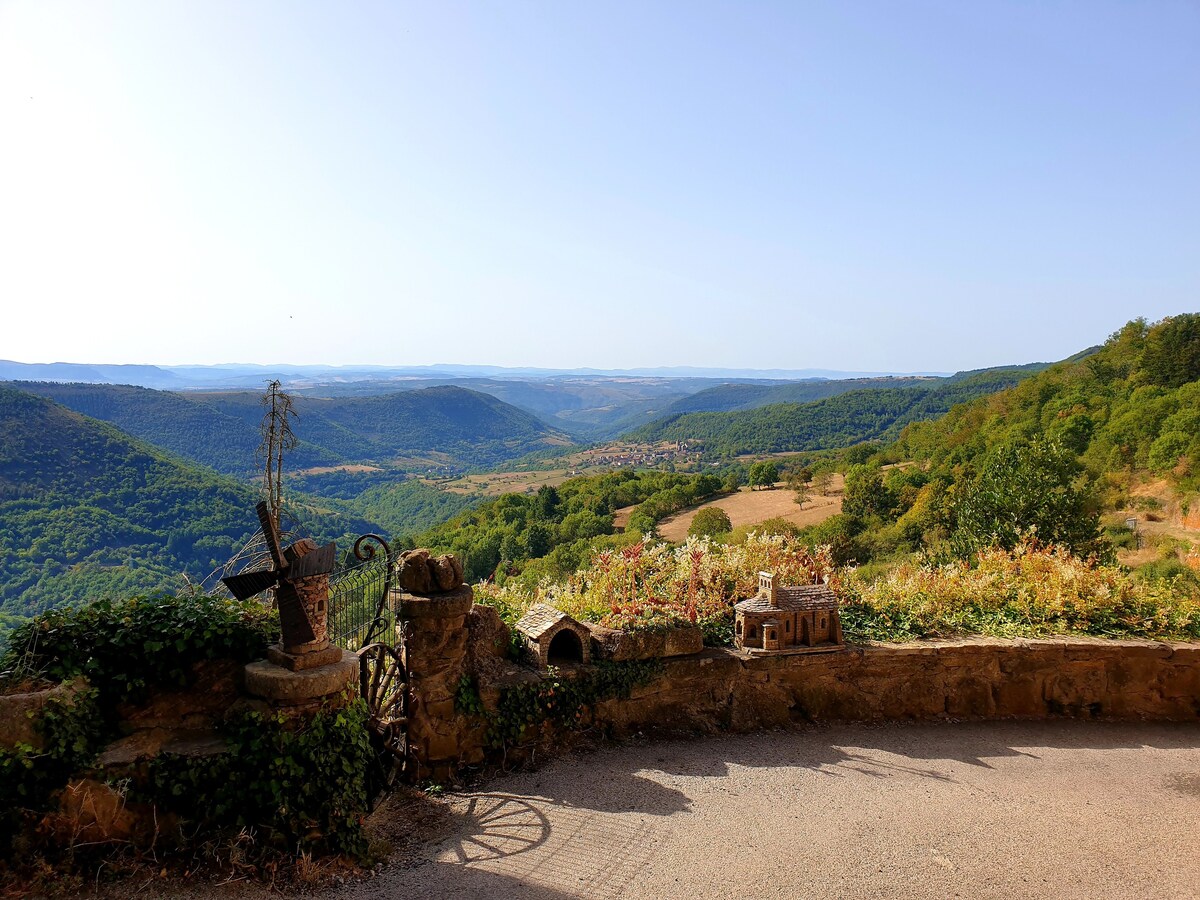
(919, 186)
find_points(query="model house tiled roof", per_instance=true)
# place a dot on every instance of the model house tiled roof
(800, 598)
(539, 619)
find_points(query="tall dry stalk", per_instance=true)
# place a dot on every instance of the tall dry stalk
(277, 439)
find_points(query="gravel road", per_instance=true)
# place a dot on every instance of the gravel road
(1002, 809)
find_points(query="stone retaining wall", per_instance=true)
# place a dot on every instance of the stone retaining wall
(727, 690)
(723, 690)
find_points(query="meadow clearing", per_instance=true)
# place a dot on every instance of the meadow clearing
(749, 507)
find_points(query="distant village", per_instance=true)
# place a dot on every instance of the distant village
(636, 455)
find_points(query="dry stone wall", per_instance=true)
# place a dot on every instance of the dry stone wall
(726, 690)
(970, 679)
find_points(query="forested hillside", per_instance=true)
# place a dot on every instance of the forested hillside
(838, 421)
(1132, 406)
(181, 423)
(87, 511)
(560, 526)
(1049, 454)
(466, 427)
(221, 430)
(730, 397)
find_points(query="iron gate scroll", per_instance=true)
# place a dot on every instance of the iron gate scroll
(364, 620)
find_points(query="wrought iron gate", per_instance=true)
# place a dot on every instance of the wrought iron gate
(364, 619)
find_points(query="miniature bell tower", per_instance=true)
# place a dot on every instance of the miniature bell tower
(766, 588)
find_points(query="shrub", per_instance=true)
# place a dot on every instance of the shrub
(646, 585)
(1028, 591)
(122, 646)
(710, 522)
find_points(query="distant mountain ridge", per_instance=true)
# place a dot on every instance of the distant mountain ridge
(253, 374)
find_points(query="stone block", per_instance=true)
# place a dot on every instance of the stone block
(214, 688)
(296, 662)
(487, 635)
(20, 712)
(619, 645)
(94, 813)
(149, 743)
(284, 687)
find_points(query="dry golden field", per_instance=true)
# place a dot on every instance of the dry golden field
(748, 507)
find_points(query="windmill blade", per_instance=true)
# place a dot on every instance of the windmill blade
(247, 584)
(318, 562)
(293, 620)
(271, 532)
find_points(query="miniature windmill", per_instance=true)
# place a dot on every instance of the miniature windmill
(302, 595)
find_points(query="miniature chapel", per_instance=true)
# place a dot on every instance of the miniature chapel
(791, 618)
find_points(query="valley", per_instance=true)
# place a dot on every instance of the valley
(122, 489)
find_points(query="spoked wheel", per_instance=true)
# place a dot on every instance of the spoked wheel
(383, 682)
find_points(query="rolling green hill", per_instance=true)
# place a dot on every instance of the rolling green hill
(730, 397)
(88, 511)
(837, 421)
(1047, 456)
(221, 430)
(465, 427)
(180, 423)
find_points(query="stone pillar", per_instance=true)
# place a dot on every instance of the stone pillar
(435, 650)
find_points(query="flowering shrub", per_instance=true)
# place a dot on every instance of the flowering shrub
(1029, 591)
(651, 585)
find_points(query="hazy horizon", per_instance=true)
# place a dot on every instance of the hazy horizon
(877, 187)
(481, 369)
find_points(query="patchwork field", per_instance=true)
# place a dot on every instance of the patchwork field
(748, 507)
(493, 484)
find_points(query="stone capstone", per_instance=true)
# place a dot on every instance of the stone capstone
(284, 687)
(296, 662)
(453, 604)
(419, 573)
(617, 645)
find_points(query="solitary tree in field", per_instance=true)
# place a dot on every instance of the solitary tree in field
(822, 482)
(797, 482)
(277, 439)
(802, 496)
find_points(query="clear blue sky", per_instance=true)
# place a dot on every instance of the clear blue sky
(875, 186)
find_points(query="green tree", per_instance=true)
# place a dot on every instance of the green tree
(1171, 356)
(864, 494)
(764, 474)
(823, 482)
(801, 494)
(1023, 488)
(710, 522)
(546, 502)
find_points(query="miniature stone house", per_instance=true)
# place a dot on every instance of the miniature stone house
(787, 618)
(554, 637)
